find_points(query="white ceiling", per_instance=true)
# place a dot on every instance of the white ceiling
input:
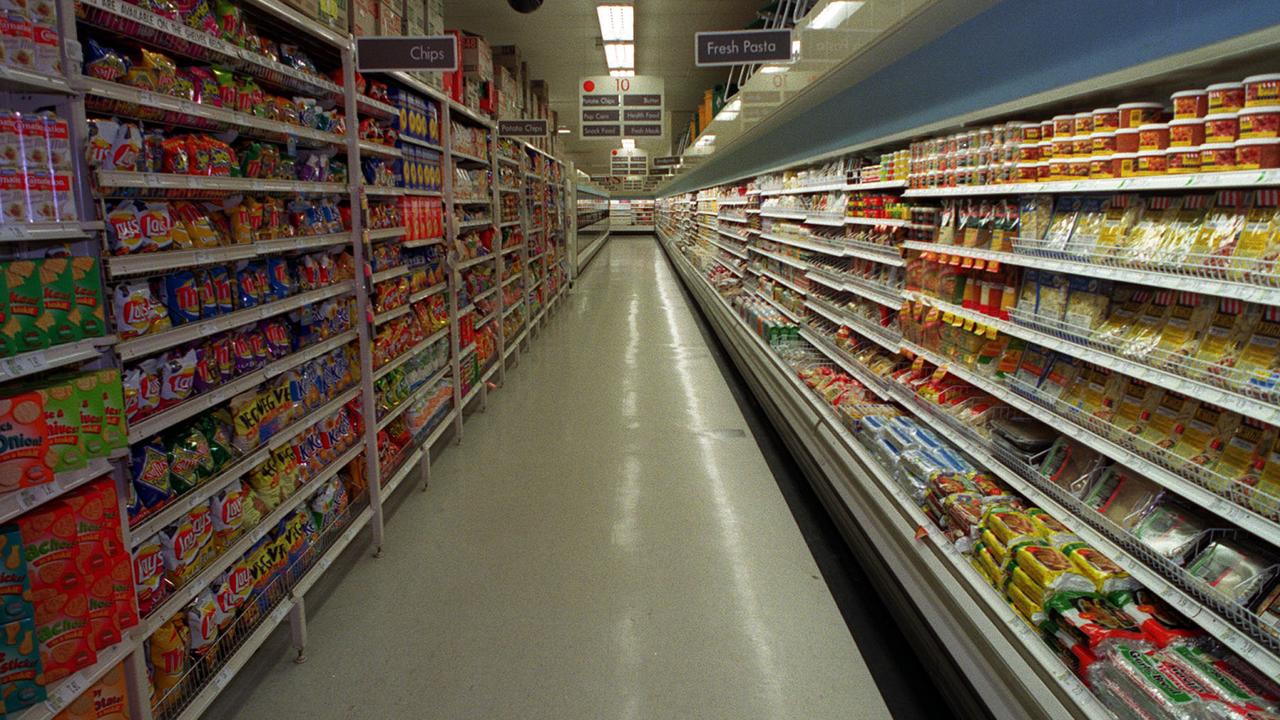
(560, 42)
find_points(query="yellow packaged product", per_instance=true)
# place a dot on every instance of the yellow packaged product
(1127, 305)
(1259, 246)
(999, 553)
(1176, 244)
(169, 659)
(1048, 568)
(985, 564)
(1028, 609)
(1259, 365)
(1231, 325)
(1244, 453)
(1145, 331)
(1150, 232)
(1049, 528)
(1166, 423)
(1009, 526)
(1265, 479)
(1135, 405)
(1204, 433)
(1117, 222)
(1188, 318)
(1220, 232)
(1106, 575)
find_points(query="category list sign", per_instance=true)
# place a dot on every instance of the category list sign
(387, 54)
(741, 47)
(612, 107)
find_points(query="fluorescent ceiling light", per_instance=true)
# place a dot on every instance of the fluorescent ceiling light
(622, 73)
(733, 107)
(773, 69)
(617, 23)
(628, 144)
(563, 130)
(620, 56)
(834, 14)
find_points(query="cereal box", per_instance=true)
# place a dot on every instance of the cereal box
(15, 584)
(20, 665)
(89, 314)
(22, 283)
(24, 442)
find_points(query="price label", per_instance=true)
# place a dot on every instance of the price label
(222, 678)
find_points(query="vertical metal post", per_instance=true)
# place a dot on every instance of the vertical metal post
(298, 629)
(500, 259)
(451, 262)
(360, 205)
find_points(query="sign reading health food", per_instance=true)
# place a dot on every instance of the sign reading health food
(611, 108)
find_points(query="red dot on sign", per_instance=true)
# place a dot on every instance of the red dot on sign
(613, 152)
(589, 86)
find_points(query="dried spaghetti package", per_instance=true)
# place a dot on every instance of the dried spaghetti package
(1089, 618)
(1009, 526)
(168, 654)
(1106, 575)
(1160, 622)
(1049, 528)
(1049, 569)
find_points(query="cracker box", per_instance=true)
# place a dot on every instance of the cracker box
(20, 665)
(22, 283)
(61, 405)
(89, 314)
(15, 584)
(24, 454)
(57, 301)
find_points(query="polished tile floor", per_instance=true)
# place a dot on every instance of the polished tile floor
(607, 542)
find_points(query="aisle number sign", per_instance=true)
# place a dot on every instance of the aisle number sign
(611, 108)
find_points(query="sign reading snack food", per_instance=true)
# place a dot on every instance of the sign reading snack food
(610, 107)
(385, 54)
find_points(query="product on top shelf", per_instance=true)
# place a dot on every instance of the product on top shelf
(35, 169)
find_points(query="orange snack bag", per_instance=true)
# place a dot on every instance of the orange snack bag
(49, 541)
(95, 564)
(107, 699)
(118, 557)
(24, 459)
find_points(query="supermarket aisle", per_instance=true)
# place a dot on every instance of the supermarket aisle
(607, 542)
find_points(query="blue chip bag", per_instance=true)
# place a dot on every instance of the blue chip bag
(151, 479)
(208, 294)
(279, 279)
(182, 297)
(222, 289)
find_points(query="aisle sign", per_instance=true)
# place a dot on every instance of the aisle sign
(612, 107)
(523, 128)
(667, 161)
(387, 54)
(741, 47)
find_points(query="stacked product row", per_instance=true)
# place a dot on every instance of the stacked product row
(1075, 393)
(246, 289)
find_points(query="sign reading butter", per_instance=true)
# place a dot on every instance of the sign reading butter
(523, 128)
(385, 54)
(741, 47)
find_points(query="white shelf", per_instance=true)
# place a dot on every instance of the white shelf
(513, 248)
(783, 281)
(157, 262)
(17, 502)
(730, 249)
(419, 142)
(390, 274)
(1188, 282)
(14, 79)
(874, 292)
(879, 335)
(42, 232)
(832, 186)
(422, 242)
(466, 157)
(793, 262)
(420, 192)
(877, 222)
(200, 183)
(155, 342)
(467, 224)
(386, 317)
(783, 214)
(425, 293)
(463, 264)
(1195, 181)
(735, 236)
(35, 362)
(382, 191)
(509, 223)
(727, 266)
(386, 233)
(422, 390)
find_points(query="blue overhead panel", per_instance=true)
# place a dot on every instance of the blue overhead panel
(1012, 50)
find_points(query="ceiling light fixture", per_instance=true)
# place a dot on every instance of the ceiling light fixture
(834, 14)
(620, 56)
(617, 23)
(773, 69)
(622, 73)
(628, 144)
(563, 130)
